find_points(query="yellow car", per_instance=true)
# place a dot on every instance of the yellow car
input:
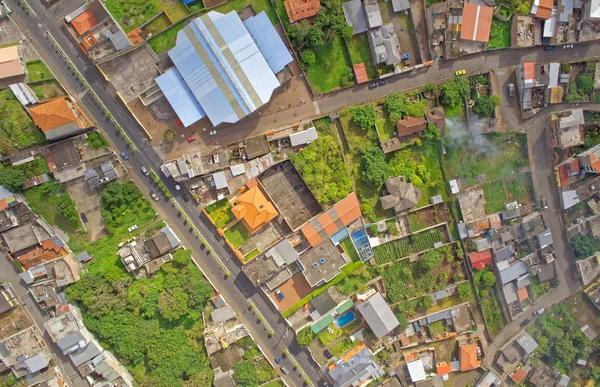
(460, 72)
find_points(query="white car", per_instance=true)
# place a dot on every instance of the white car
(567, 46)
(132, 228)
(177, 187)
(145, 171)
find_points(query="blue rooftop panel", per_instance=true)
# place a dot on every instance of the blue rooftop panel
(180, 97)
(268, 41)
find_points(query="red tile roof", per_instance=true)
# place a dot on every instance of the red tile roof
(523, 295)
(477, 22)
(563, 175)
(410, 125)
(443, 369)
(468, 357)
(301, 9)
(481, 259)
(544, 9)
(55, 113)
(84, 22)
(360, 72)
(529, 70)
(325, 225)
(519, 375)
(574, 165)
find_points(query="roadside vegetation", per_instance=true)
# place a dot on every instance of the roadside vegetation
(96, 140)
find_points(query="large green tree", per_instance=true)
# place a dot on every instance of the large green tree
(453, 93)
(364, 117)
(483, 106)
(585, 83)
(245, 374)
(584, 245)
(374, 168)
(12, 178)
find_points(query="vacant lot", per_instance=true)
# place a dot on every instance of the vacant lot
(48, 89)
(17, 130)
(505, 190)
(499, 34)
(166, 39)
(157, 25)
(130, 14)
(428, 217)
(360, 52)
(331, 65)
(45, 202)
(37, 71)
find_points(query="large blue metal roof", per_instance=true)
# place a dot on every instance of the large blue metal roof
(222, 67)
(268, 41)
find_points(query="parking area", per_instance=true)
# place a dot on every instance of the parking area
(402, 26)
(290, 194)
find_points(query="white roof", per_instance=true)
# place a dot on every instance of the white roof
(416, 370)
(595, 8)
(554, 72)
(550, 24)
(304, 137)
(220, 180)
(237, 169)
(453, 186)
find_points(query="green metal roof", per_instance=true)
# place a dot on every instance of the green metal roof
(322, 324)
(344, 307)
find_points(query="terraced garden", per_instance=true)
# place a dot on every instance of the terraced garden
(412, 244)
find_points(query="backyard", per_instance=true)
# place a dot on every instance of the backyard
(166, 39)
(237, 235)
(385, 128)
(17, 130)
(505, 190)
(360, 52)
(157, 25)
(37, 71)
(331, 65)
(48, 89)
(220, 213)
(492, 313)
(412, 244)
(499, 34)
(47, 200)
(429, 216)
(130, 14)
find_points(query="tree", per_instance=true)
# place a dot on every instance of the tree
(12, 179)
(415, 108)
(308, 58)
(364, 117)
(245, 374)
(432, 133)
(374, 169)
(585, 83)
(66, 207)
(452, 93)
(496, 100)
(428, 261)
(464, 291)
(173, 304)
(169, 135)
(584, 246)
(182, 258)
(394, 105)
(305, 337)
(486, 278)
(483, 106)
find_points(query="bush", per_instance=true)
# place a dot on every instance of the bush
(308, 58)
(364, 117)
(305, 337)
(585, 83)
(584, 246)
(374, 168)
(483, 106)
(12, 179)
(66, 207)
(245, 374)
(452, 93)
(169, 135)
(96, 140)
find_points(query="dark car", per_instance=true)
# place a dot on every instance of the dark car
(525, 323)
(373, 85)
(382, 82)
(549, 48)
(84, 218)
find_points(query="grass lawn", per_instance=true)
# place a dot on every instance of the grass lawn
(350, 250)
(258, 5)
(157, 25)
(47, 89)
(495, 195)
(237, 235)
(332, 63)
(502, 191)
(436, 328)
(454, 111)
(10, 44)
(175, 8)
(248, 257)
(166, 39)
(538, 289)
(494, 155)
(360, 51)
(17, 130)
(499, 34)
(341, 347)
(45, 204)
(385, 128)
(494, 318)
(220, 213)
(130, 14)
(37, 71)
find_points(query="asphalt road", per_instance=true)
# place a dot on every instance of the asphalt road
(236, 288)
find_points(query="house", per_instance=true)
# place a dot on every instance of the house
(436, 116)
(322, 263)
(568, 171)
(378, 315)
(25, 352)
(490, 379)
(20, 238)
(202, 85)
(567, 130)
(356, 367)
(301, 9)
(471, 204)
(401, 195)
(382, 38)
(10, 66)
(513, 272)
(545, 239)
(304, 137)
(589, 160)
(481, 259)
(84, 22)
(355, 16)
(409, 126)
(59, 118)
(476, 22)
(331, 221)
(416, 370)
(520, 374)
(542, 8)
(254, 209)
(100, 175)
(467, 356)
(162, 242)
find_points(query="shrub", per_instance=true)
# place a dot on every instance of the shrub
(374, 168)
(364, 117)
(96, 140)
(585, 83)
(169, 135)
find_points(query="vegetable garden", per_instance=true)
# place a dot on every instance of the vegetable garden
(392, 251)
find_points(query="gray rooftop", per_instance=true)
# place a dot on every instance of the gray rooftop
(283, 253)
(83, 257)
(355, 16)
(545, 238)
(373, 15)
(85, 354)
(378, 314)
(513, 272)
(222, 314)
(357, 369)
(527, 343)
(22, 237)
(36, 363)
(510, 293)
(400, 5)
(322, 263)
(69, 341)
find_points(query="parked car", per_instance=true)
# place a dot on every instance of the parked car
(549, 48)
(525, 323)
(567, 46)
(186, 198)
(511, 90)
(373, 85)
(540, 312)
(284, 370)
(277, 360)
(153, 196)
(405, 56)
(84, 218)
(543, 201)
(460, 72)
(382, 82)
(191, 138)
(124, 156)
(145, 171)
(279, 294)
(478, 351)
(132, 228)
(177, 187)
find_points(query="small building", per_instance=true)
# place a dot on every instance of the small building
(356, 367)
(378, 315)
(409, 126)
(10, 66)
(480, 260)
(568, 171)
(100, 175)
(301, 9)
(589, 332)
(567, 130)
(20, 238)
(542, 8)
(416, 370)
(383, 40)
(331, 221)
(472, 204)
(304, 137)
(453, 187)
(513, 272)
(84, 22)
(254, 209)
(490, 379)
(436, 116)
(476, 22)
(162, 242)
(545, 239)
(400, 5)
(59, 118)
(467, 356)
(401, 195)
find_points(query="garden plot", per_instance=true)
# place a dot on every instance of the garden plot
(428, 216)
(505, 190)
(412, 244)
(434, 270)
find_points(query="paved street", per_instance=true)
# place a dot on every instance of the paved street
(236, 288)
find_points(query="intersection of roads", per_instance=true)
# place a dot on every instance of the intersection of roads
(43, 26)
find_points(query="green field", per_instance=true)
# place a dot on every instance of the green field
(499, 34)
(360, 51)
(237, 235)
(44, 199)
(17, 130)
(37, 71)
(331, 65)
(166, 39)
(258, 5)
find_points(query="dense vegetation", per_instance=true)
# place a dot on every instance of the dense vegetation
(153, 325)
(584, 245)
(117, 199)
(453, 93)
(17, 130)
(398, 106)
(96, 140)
(494, 318)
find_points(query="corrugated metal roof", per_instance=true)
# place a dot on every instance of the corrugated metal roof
(223, 67)
(268, 41)
(554, 71)
(180, 97)
(22, 94)
(304, 137)
(220, 180)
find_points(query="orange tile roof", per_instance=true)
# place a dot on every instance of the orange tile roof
(352, 352)
(519, 375)
(477, 22)
(89, 41)
(10, 53)
(574, 165)
(134, 36)
(254, 209)
(544, 9)
(529, 70)
(563, 175)
(481, 259)
(35, 255)
(325, 225)
(54, 114)
(443, 369)
(360, 72)
(523, 295)
(410, 125)
(468, 357)
(84, 22)
(301, 9)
